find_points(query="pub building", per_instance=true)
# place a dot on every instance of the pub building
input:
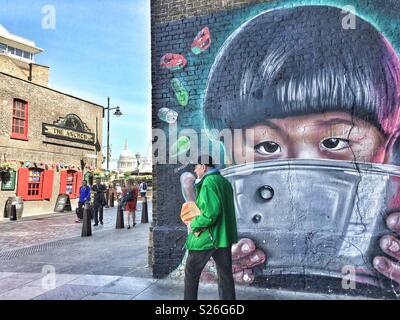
(51, 140)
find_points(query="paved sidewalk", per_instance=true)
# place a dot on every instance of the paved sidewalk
(36, 286)
(47, 259)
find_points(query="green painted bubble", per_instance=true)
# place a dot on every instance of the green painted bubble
(182, 95)
(181, 146)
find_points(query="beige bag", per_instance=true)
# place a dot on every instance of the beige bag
(189, 211)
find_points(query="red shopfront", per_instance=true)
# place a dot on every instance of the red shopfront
(35, 184)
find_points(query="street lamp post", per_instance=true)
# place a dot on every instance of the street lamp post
(137, 156)
(116, 113)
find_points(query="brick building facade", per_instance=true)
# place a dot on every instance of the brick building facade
(52, 139)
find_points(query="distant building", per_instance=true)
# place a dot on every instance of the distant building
(146, 166)
(52, 138)
(127, 161)
(17, 58)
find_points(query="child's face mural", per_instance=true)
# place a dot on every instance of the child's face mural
(332, 135)
(310, 96)
(319, 190)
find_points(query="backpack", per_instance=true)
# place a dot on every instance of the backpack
(129, 195)
(144, 186)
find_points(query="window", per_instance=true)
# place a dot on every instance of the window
(3, 47)
(27, 55)
(70, 183)
(11, 50)
(20, 120)
(35, 184)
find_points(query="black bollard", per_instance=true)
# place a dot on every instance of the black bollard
(112, 200)
(87, 225)
(120, 217)
(107, 198)
(145, 214)
(13, 215)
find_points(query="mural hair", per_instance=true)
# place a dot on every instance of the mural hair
(289, 62)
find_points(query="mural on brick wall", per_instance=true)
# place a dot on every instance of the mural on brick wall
(317, 186)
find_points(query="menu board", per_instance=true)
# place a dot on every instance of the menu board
(63, 203)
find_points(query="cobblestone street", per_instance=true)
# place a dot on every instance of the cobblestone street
(23, 233)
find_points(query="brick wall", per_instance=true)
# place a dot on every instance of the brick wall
(169, 10)
(7, 65)
(39, 74)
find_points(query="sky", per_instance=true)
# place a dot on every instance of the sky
(98, 49)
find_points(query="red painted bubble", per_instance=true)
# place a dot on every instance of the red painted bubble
(173, 61)
(202, 41)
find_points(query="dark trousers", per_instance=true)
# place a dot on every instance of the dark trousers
(98, 210)
(195, 264)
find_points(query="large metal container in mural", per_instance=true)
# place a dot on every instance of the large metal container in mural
(316, 217)
(317, 189)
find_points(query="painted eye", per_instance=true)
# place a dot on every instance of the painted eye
(268, 148)
(335, 144)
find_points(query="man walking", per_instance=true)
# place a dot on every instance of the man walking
(143, 189)
(84, 195)
(99, 201)
(218, 231)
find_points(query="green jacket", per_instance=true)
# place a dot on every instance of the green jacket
(215, 201)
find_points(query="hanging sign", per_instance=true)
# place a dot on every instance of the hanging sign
(8, 180)
(70, 128)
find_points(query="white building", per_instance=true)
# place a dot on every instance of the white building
(22, 53)
(127, 161)
(145, 166)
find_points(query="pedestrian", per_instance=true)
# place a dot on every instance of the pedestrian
(143, 189)
(99, 201)
(212, 233)
(109, 191)
(118, 190)
(84, 195)
(122, 192)
(130, 201)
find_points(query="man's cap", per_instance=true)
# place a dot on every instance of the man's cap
(206, 160)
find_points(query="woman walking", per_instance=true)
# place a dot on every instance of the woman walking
(131, 201)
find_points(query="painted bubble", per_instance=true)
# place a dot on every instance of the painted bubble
(202, 41)
(173, 61)
(181, 146)
(182, 95)
(167, 115)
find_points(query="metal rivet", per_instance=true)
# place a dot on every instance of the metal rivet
(266, 192)
(256, 218)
